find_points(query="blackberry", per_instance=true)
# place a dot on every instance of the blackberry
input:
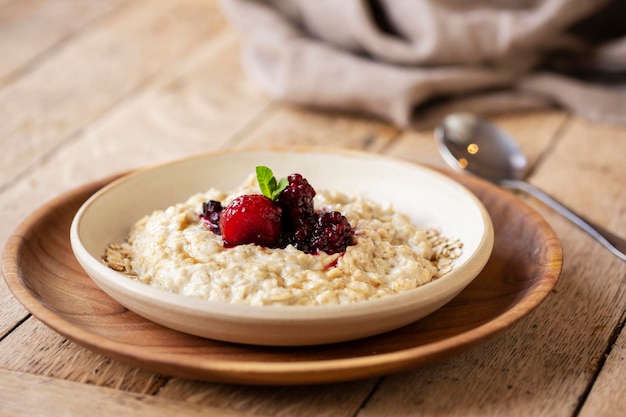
(299, 234)
(332, 233)
(210, 216)
(296, 200)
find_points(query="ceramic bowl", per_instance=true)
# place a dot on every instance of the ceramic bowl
(428, 197)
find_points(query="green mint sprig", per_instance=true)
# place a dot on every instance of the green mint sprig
(268, 184)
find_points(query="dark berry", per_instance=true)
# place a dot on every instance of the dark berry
(251, 219)
(299, 233)
(296, 200)
(211, 215)
(332, 233)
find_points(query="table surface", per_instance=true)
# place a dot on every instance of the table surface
(93, 88)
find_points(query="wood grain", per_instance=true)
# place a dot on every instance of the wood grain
(328, 400)
(295, 126)
(22, 22)
(49, 281)
(585, 154)
(42, 396)
(55, 356)
(608, 396)
(69, 96)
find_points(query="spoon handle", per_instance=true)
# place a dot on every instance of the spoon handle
(614, 243)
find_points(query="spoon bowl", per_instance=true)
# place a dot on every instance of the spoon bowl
(469, 143)
(472, 144)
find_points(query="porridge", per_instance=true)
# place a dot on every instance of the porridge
(176, 250)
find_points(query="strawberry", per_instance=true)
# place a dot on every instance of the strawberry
(251, 218)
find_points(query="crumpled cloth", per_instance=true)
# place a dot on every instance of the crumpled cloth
(411, 61)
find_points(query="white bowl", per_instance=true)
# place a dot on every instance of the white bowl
(428, 197)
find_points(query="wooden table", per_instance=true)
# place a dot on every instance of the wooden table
(92, 88)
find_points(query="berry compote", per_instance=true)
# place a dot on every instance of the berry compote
(290, 219)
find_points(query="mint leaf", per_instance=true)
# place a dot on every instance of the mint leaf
(282, 184)
(264, 177)
(270, 188)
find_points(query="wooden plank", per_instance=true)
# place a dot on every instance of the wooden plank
(23, 394)
(294, 126)
(92, 73)
(197, 107)
(586, 172)
(608, 396)
(54, 356)
(334, 400)
(29, 28)
(524, 370)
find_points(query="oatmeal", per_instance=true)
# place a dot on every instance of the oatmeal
(174, 250)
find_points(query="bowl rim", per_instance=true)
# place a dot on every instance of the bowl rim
(203, 307)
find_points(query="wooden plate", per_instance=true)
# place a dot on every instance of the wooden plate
(41, 271)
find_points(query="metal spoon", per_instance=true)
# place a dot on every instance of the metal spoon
(469, 143)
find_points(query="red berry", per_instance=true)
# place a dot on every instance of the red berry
(251, 219)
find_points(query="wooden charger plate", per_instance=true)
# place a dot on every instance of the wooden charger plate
(41, 271)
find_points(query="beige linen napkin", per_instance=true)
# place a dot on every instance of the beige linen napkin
(410, 61)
